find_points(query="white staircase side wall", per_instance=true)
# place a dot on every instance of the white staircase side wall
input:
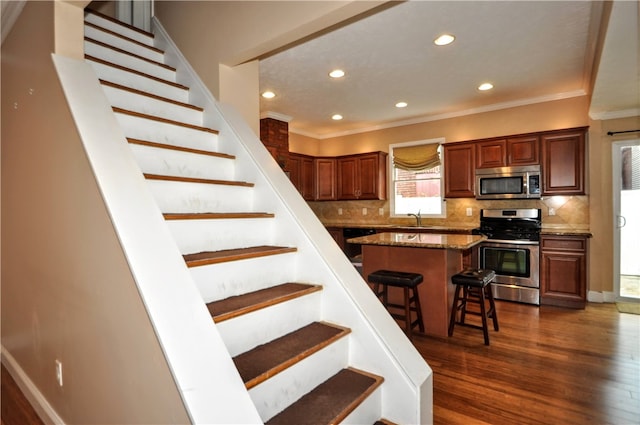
(169, 162)
(124, 44)
(112, 26)
(131, 79)
(151, 106)
(214, 235)
(220, 281)
(377, 343)
(245, 332)
(204, 373)
(179, 197)
(162, 132)
(128, 61)
(274, 395)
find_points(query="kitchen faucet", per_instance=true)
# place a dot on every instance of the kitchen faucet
(418, 218)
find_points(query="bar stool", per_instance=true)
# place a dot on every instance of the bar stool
(475, 285)
(409, 282)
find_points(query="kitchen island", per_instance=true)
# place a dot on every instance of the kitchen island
(435, 256)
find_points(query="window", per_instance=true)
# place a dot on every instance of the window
(416, 178)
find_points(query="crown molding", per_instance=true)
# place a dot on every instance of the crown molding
(276, 116)
(610, 115)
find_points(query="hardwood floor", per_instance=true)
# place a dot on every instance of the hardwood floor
(546, 365)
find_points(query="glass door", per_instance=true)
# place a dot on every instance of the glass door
(626, 194)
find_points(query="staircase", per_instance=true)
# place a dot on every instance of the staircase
(301, 345)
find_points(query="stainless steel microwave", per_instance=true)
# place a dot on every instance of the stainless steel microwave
(521, 182)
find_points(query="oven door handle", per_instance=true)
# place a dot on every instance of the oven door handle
(512, 242)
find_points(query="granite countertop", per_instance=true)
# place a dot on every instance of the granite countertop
(565, 231)
(420, 240)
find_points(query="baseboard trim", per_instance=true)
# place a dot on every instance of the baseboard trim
(30, 391)
(601, 297)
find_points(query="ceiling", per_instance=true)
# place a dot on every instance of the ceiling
(531, 51)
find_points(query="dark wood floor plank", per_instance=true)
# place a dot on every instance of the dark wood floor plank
(546, 365)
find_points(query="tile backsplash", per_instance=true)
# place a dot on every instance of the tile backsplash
(557, 212)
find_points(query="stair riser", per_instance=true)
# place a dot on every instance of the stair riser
(124, 44)
(127, 61)
(147, 105)
(175, 163)
(367, 412)
(139, 82)
(245, 332)
(220, 281)
(212, 235)
(179, 197)
(120, 29)
(277, 393)
(170, 134)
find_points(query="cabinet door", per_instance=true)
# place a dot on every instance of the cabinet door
(563, 163)
(563, 268)
(372, 181)
(523, 150)
(306, 178)
(325, 179)
(459, 170)
(491, 154)
(348, 177)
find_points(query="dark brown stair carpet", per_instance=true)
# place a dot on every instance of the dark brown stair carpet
(214, 257)
(242, 304)
(264, 361)
(331, 401)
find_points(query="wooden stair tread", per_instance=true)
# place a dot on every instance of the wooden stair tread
(125, 52)
(195, 180)
(225, 255)
(164, 120)
(150, 95)
(179, 148)
(122, 24)
(214, 216)
(264, 361)
(133, 71)
(331, 401)
(235, 306)
(115, 34)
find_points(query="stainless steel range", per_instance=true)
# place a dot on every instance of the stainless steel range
(512, 250)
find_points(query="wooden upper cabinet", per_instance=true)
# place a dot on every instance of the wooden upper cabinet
(301, 173)
(563, 156)
(362, 176)
(325, 179)
(491, 153)
(508, 152)
(523, 150)
(459, 170)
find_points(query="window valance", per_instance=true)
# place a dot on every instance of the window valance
(416, 158)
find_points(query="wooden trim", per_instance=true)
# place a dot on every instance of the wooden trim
(179, 148)
(133, 55)
(226, 255)
(196, 180)
(163, 120)
(378, 380)
(133, 71)
(123, 37)
(151, 95)
(215, 216)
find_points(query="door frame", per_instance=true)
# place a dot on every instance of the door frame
(616, 181)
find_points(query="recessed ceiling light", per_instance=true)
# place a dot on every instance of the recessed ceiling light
(336, 73)
(401, 105)
(268, 95)
(336, 117)
(485, 86)
(444, 39)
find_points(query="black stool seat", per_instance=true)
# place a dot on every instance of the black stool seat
(475, 285)
(409, 282)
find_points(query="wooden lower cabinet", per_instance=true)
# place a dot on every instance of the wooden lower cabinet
(563, 271)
